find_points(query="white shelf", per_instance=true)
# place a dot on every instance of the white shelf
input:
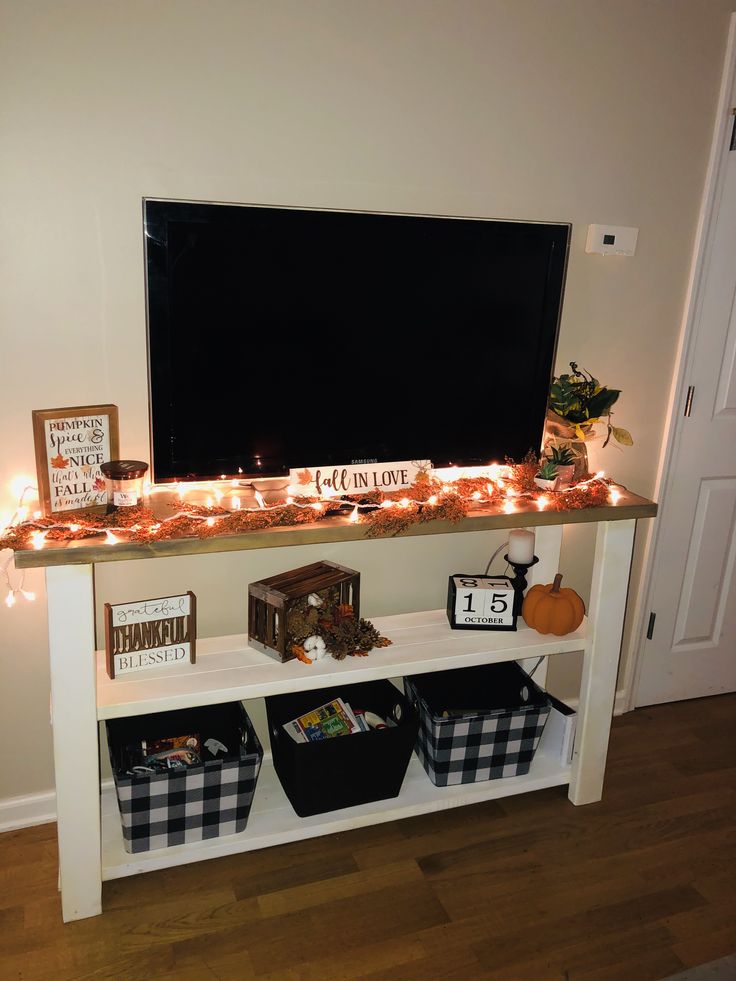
(273, 820)
(227, 669)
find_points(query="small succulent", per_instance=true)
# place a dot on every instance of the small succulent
(547, 471)
(561, 456)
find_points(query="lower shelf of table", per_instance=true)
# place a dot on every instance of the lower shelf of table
(273, 821)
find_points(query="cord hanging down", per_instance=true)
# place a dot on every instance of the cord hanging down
(500, 548)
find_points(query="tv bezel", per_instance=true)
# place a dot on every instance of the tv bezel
(562, 226)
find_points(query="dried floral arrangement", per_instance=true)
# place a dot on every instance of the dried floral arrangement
(383, 514)
(319, 625)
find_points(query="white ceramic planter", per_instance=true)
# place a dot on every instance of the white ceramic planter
(565, 475)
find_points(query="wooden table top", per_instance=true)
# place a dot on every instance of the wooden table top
(333, 529)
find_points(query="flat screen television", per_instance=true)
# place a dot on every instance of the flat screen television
(285, 338)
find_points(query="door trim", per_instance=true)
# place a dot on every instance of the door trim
(684, 357)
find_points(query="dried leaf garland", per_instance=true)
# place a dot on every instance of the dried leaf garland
(411, 506)
(522, 474)
(593, 495)
(392, 521)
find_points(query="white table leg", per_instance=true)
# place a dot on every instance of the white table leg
(76, 756)
(547, 547)
(613, 550)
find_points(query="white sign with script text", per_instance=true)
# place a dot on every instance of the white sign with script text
(75, 448)
(360, 478)
(150, 633)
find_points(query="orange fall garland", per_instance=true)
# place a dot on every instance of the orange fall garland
(383, 514)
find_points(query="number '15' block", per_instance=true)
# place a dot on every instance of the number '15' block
(480, 602)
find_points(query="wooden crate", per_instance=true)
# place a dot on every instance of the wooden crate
(270, 599)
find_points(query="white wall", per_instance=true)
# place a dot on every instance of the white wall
(565, 110)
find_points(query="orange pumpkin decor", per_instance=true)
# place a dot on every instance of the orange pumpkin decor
(552, 610)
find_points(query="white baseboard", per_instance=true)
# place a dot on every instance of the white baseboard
(621, 703)
(24, 812)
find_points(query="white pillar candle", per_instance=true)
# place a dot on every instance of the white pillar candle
(521, 546)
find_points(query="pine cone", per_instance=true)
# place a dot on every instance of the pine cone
(301, 624)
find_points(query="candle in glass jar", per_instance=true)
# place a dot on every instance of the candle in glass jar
(124, 482)
(521, 546)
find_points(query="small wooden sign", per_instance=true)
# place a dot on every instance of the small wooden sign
(152, 633)
(70, 446)
(357, 478)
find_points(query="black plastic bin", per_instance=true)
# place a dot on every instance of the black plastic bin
(343, 771)
(497, 718)
(193, 803)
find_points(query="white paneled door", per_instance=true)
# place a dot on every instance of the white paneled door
(692, 648)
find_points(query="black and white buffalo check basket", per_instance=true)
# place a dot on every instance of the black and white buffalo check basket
(477, 723)
(192, 804)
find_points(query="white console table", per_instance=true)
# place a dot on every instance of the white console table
(90, 840)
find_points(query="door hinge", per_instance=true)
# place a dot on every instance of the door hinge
(689, 399)
(650, 627)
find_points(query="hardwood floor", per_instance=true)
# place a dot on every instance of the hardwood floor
(634, 888)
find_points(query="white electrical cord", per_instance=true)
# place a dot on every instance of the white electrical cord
(490, 561)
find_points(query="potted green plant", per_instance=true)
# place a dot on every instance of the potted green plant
(546, 476)
(578, 405)
(562, 459)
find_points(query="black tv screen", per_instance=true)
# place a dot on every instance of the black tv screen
(284, 337)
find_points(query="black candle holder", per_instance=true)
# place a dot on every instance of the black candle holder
(519, 581)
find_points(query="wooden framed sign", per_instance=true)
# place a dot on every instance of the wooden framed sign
(70, 446)
(152, 633)
(477, 602)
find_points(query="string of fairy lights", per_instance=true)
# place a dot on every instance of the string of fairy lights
(492, 489)
(15, 579)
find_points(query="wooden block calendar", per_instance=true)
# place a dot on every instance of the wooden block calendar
(480, 602)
